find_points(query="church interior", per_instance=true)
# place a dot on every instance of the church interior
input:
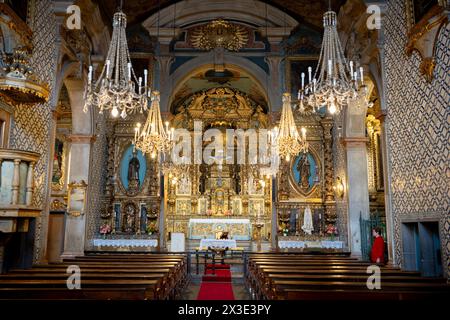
(224, 150)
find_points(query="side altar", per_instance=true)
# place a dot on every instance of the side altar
(238, 229)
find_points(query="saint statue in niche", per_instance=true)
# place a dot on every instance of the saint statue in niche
(130, 211)
(304, 168)
(133, 168)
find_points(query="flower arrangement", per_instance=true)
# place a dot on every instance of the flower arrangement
(151, 228)
(209, 212)
(331, 230)
(228, 212)
(105, 229)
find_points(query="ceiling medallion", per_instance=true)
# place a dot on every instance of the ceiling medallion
(18, 82)
(220, 34)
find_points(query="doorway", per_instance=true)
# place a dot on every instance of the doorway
(422, 248)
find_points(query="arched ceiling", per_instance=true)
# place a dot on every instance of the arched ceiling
(304, 11)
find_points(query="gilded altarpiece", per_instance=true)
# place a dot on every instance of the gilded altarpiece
(307, 181)
(225, 191)
(131, 203)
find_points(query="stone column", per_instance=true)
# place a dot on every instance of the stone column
(75, 228)
(165, 87)
(358, 189)
(15, 183)
(274, 90)
(355, 141)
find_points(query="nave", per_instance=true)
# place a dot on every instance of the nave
(265, 276)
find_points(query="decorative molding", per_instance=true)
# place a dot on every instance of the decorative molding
(422, 36)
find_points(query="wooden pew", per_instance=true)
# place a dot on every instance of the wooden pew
(156, 276)
(327, 277)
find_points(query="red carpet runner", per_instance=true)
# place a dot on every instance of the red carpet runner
(216, 286)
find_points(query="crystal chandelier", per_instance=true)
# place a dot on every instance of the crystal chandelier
(116, 90)
(153, 138)
(335, 83)
(287, 138)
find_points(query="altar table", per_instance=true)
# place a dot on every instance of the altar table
(238, 229)
(296, 244)
(205, 243)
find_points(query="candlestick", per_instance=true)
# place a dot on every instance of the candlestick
(90, 75)
(107, 68)
(145, 77)
(361, 71)
(351, 69)
(303, 80)
(129, 71)
(309, 74)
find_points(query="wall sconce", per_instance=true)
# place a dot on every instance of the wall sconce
(339, 188)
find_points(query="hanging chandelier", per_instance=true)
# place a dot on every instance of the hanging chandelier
(287, 138)
(334, 83)
(153, 138)
(116, 89)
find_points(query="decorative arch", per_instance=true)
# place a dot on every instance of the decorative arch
(203, 63)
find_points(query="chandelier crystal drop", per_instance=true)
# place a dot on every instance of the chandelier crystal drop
(288, 140)
(335, 82)
(153, 137)
(116, 89)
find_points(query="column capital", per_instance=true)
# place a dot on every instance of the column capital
(355, 142)
(81, 138)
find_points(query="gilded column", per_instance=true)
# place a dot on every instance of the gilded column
(328, 193)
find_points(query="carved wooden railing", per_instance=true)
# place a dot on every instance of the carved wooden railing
(16, 189)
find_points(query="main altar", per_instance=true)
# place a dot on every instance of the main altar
(238, 229)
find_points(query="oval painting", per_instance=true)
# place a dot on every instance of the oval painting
(304, 170)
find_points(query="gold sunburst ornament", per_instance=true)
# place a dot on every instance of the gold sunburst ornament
(220, 34)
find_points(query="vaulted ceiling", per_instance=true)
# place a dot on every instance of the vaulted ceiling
(304, 11)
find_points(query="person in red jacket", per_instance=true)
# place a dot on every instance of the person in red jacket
(377, 253)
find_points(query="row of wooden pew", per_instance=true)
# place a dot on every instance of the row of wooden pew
(102, 276)
(275, 276)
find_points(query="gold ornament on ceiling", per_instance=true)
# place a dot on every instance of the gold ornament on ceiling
(220, 34)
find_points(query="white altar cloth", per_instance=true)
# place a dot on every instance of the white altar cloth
(126, 242)
(295, 244)
(205, 243)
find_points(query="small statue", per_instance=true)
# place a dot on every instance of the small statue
(133, 168)
(130, 218)
(304, 168)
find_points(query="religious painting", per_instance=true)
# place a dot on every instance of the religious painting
(133, 167)
(183, 207)
(254, 188)
(304, 172)
(183, 187)
(256, 207)
(77, 199)
(130, 211)
(202, 206)
(58, 165)
(294, 68)
(237, 206)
